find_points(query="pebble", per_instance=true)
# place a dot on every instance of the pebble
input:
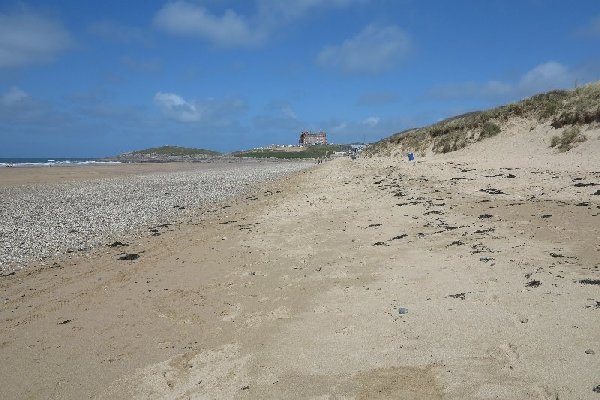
(42, 221)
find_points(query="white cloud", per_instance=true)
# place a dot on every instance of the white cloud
(182, 18)
(13, 97)
(340, 127)
(369, 129)
(233, 29)
(544, 77)
(211, 111)
(18, 108)
(374, 49)
(547, 76)
(27, 38)
(278, 115)
(371, 121)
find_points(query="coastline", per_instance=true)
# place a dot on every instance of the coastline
(361, 279)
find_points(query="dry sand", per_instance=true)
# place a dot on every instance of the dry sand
(372, 278)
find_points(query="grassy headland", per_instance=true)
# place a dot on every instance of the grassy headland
(317, 151)
(166, 154)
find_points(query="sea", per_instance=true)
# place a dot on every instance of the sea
(49, 162)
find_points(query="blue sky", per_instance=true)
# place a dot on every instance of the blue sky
(83, 78)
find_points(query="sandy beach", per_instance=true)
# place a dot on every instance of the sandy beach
(455, 277)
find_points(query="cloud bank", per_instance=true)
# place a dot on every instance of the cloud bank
(375, 49)
(232, 29)
(182, 18)
(28, 38)
(211, 111)
(547, 76)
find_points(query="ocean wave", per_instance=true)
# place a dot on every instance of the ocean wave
(52, 163)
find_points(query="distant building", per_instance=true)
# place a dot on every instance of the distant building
(308, 138)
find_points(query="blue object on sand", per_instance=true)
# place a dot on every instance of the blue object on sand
(411, 157)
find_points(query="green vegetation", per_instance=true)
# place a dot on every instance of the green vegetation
(174, 151)
(559, 108)
(318, 151)
(569, 139)
(489, 129)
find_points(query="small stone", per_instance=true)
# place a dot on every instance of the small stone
(590, 351)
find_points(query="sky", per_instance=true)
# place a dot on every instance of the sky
(98, 78)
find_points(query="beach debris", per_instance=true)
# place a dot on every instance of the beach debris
(399, 237)
(597, 305)
(456, 243)
(484, 216)
(590, 281)
(534, 283)
(66, 321)
(457, 296)
(582, 204)
(596, 193)
(596, 389)
(402, 310)
(485, 230)
(546, 215)
(117, 244)
(492, 191)
(4, 275)
(129, 257)
(245, 387)
(556, 255)
(380, 244)
(581, 184)
(590, 351)
(373, 225)
(486, 259)
(511, 176)
(434, 212)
